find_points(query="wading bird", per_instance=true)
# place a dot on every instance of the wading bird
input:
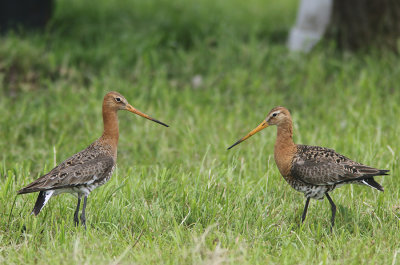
(313, 170)
(91, 167)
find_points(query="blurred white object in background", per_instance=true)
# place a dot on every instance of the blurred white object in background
(312, 20)
(197, 81)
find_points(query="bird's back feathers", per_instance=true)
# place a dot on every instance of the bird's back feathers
(322, 166)
(85, 167)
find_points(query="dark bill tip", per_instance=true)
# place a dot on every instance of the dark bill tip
(160, 122)
(238, 142)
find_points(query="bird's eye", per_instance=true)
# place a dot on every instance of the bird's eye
(274, 115)
(118, 99)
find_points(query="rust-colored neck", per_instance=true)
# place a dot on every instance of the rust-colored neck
(111, 132)
(285, 148)
(284, 136)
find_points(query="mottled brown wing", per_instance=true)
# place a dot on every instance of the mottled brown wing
(320, 173)
(73, 175)
(84, 156)
(322, 166)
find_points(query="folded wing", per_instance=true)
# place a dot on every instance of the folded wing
(322, 166)
(69, 174)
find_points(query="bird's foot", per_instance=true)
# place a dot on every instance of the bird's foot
(76, 220)
(83, 221)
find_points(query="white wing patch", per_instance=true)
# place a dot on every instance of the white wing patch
(364, 182)
(47, 197)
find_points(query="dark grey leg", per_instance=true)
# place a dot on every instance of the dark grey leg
(333, 207)
(303, 216)
(83, 217)
(76, 220)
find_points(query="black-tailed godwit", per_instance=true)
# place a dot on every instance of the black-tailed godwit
(91, 167)
(313, 170)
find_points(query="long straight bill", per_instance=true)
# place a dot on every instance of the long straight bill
(263, 125)
(132, 109)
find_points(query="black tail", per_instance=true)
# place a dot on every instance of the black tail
(372, 183)
(383, 172)
(369, 180)
(39, 203)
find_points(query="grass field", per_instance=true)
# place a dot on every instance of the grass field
(211, 70)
